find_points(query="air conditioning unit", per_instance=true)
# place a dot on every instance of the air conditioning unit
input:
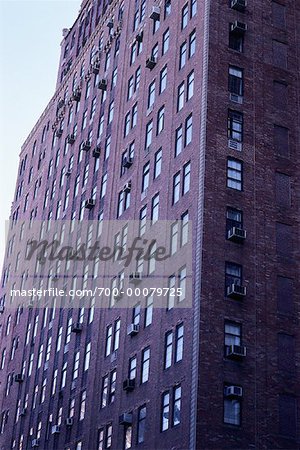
(238, 27)
(76, 95)
(236, 291)
(155, 13)
(139, 37)
(127, 162)
(23, 412)
(151, 62)
(69, 421)
(128, 384)
(96, 152)
(59, 133)
(35, 443)
(132, 329)
(233, 391)
(71, 138)
(55, 429)
(68, 172)
(127, 187)
(135, 277)
(85, 146)
(236, 234)
(110, 23)
(77, 327)
(1, 309)
(19, 377)
(95, 68)
(236, 351)
(239, 5)
(236, 98)
(125, 419)
(235, 145)
(102, 84)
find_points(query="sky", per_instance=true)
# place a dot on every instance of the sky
(30, 37)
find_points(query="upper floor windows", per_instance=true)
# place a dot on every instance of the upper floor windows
(235, 126)
(234, 174)
(235, 81)
(163, 79)
(165, 41)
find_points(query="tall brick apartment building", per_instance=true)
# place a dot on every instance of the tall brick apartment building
(179, 110)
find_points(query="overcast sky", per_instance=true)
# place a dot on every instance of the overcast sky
(30, 35)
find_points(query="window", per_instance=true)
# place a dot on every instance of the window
(149, 311)
(128, 432)
(141, 424)
(151, 94)
(233, 274)
(182, 55)
(76, 365)
(176, 187)
(82, 405)
(179, 342)
(235, 125)
(163, 79)
(155, 208)
(234, 218)
(186, 178)
(232, 334)
(235, 81)
(117, 331)
(193, 8)
(111, 112)
(108, 439)
(232, 411)
(190, 85)
(236, 40)
(184, 16)
(157, 163)
(132, 368)
(134, 116)
(104, 395)
(87, 356)
(176, 406)
(113, 382)
(103, 185)
(178, 141)
(166, 41)
(148, 139)
(192, 43)
(127, 124)
(168, 349)
(188, 130)
(109, 331)
(130, 87)
(165, 417)
(234, 174)
(180, 96)
(136, 315)
(145, 365)
(154, 52)
(145, 177)
(100, 439)
(137, 78)
(182, 283)
(143, 220)
(160, 120)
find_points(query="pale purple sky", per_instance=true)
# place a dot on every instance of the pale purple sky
(30, 37)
